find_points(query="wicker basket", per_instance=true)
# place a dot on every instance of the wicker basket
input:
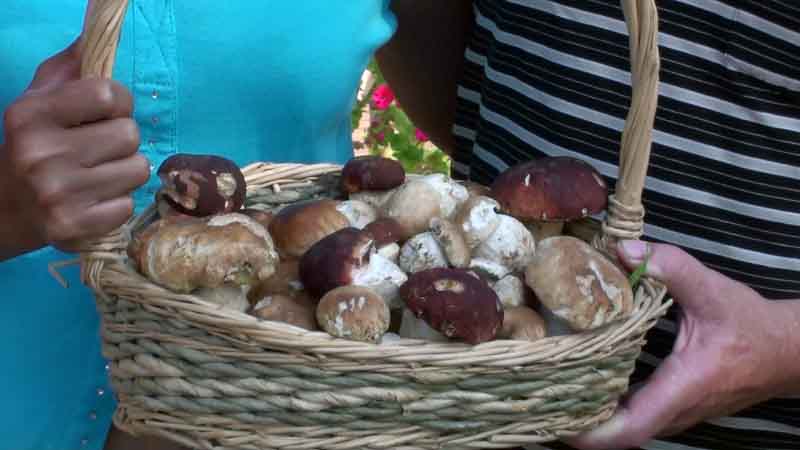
(210, 378)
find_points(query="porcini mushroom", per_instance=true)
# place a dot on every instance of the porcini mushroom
(298, 310)
(546, 192)
(297, 227)
(413, 327)
(421, 252)
(285, 281)
(204, 253)
(202, 185)
(454, 303)
(511, 245)
(225, 296)
(451, 194)
(413, 205)
(348, 257)
(371, 173)
(260, 216)
(510, 290)
(358, 213)
(478, 219)
(578, 283)
(387, 233)
(354, 312)
(452, 241)
(522, 324)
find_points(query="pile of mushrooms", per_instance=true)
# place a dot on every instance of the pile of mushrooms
(419, 256)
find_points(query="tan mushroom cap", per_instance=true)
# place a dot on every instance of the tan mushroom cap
(354, 312)
(551, 189)
(298, 227)
(298, 309)
(522, 324)
(579, 284)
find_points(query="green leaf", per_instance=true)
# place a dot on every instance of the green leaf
(637, 274)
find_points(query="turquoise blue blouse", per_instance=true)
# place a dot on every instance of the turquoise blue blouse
(258, 80)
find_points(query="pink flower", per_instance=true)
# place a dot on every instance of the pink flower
(382, 97)
(380, 137)
(421, 136)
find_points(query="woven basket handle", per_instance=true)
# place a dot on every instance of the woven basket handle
(625, 219)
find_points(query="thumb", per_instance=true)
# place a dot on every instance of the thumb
(58, 69)
(647, 413)
(686, 278)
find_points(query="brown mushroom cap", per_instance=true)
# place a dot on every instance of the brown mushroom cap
(371, 173)
(454, 302)
(204, 253)
(355, 313)
(385, 231)
(331, 261)
(578, 283)
(262, 217)
(285, 281)
(522, 324)
(298, 309)
(202, 185)
(551, 189)
(297, 227)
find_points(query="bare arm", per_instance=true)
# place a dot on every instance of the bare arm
(423, 62)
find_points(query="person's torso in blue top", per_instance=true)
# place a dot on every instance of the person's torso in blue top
(251, 80)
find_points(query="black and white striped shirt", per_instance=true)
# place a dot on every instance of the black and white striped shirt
(552, 78)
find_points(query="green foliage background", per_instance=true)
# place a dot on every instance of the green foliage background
(399, 135)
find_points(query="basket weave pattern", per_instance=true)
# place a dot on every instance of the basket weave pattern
(214, 378)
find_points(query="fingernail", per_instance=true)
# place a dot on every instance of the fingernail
(635, 251)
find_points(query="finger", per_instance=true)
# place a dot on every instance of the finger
(115, 179)
(89, 223)
(103, 142)
(77, 102)
(58, 69)
(645, 414)
(686, 278)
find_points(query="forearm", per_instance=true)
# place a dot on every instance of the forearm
(423, 62)
(787, 314)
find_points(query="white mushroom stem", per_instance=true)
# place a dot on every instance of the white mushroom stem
(451, 240)
(511, 245)
(412, 327)
(421, 252)
(358, 213)
(452, 194)
(488, 269)
(390, 252)
(382, 276)
(510, 290)
(478, 219)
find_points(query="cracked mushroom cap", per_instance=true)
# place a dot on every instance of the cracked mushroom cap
(454, 302)
(372, 173)
(354, 312)
(551, 189)
(297, 227)
(202, 185)
(578, 284)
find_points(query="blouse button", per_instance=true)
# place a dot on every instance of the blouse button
(154, 94)
(92, 415)
(84, 442)
(155, 120)
(101, 392)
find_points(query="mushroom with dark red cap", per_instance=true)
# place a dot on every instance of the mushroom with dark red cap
(454, 302)
(547, 192)
(202, 185)
(348, 257)
(387, 234)
(372, 173)
(355, 313)
(297, 227)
